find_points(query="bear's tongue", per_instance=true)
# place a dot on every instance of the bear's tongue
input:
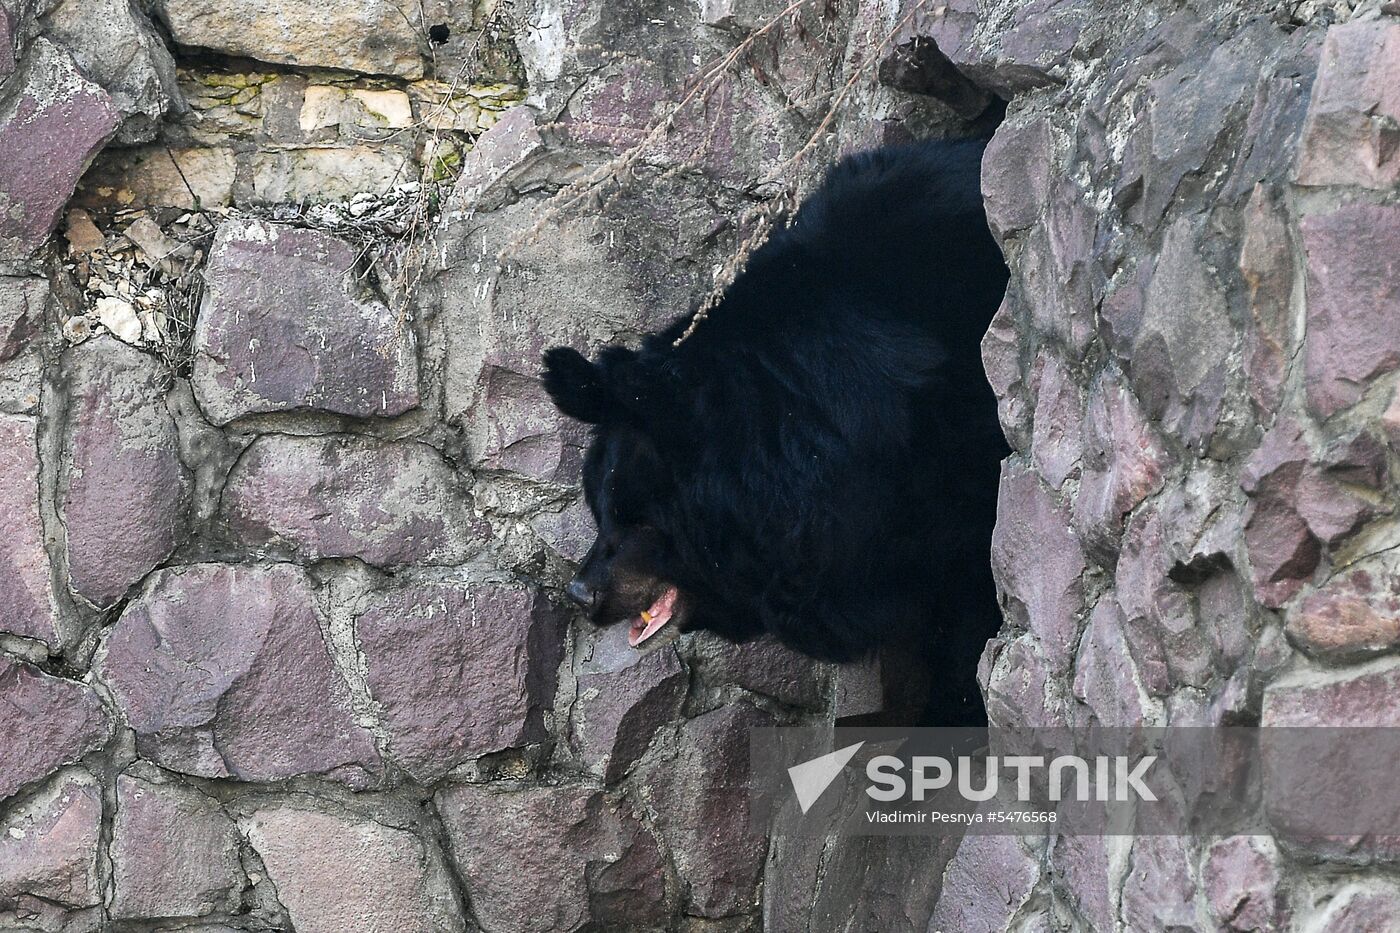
(650, 622)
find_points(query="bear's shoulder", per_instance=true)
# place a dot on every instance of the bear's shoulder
(889, 250)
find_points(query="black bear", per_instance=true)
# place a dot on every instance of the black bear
(819, 459)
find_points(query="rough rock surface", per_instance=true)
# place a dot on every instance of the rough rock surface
(174, 852)
(1355, 614)
(49, 848)
(460, 670)
(284, 326)
(52, 122)
(501, 315)
(24, 300)
(623, 699)
(1355, 906)
(1346, 140)
(1192, 368)
(259, 701)
(50, 722)
(1348, 698)
(348, 496)
(1158, 893)
(26, 587)
(1242, 883)
(766, 667)
(335, 871)
(553, 858)
(1039, 564)
(491, 384)
(1352, 337)
(700, 794)
(374, 36)
(502, 153)
(113, 44)
(982, 862)
(125, 492)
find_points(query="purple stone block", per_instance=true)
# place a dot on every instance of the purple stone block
(461, 670)
(51, 126)
(221, 670)
(286, 324)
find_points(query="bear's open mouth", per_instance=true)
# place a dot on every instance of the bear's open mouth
(651, 621)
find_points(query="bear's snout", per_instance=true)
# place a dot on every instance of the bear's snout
(582, 593)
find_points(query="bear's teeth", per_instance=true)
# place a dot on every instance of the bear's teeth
(650, 621)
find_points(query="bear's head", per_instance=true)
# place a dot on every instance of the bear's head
(639, 569)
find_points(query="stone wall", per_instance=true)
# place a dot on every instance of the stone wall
(1196, 364)
(286, 515)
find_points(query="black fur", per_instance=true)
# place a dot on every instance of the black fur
(819, 459)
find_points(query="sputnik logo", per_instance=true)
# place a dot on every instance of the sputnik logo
(811, 778)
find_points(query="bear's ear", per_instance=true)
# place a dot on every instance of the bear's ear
(576, 385)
